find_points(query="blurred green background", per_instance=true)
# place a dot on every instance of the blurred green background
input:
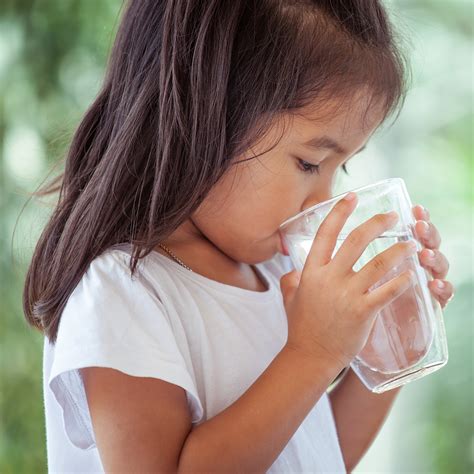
(52, 59)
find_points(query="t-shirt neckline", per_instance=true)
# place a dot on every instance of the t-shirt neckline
(217, 285)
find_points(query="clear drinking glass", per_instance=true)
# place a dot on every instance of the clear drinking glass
(408, 338)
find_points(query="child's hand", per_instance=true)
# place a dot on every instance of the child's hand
(431, 258)
(329, 308)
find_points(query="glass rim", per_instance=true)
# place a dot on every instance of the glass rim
(337, 198)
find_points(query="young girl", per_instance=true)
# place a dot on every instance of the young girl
(178, 337)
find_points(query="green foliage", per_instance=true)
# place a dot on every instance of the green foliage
(52, 57)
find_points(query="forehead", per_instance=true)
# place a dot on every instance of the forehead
(349, 122)
(355, 116)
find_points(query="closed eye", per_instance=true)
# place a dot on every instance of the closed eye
(310, 168)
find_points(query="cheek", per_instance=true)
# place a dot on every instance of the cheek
(243, 211)
(237, 222)
(245, 230)
(249, 196)
(237, 234)
(226, 219)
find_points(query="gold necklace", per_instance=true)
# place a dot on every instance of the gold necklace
(167, 250)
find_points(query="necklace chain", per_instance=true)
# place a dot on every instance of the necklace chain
(167, 250)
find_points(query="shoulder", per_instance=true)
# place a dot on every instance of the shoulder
(110, 274)
(108, 301)
(111, 265)
(109, 271)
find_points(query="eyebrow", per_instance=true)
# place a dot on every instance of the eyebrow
(328, 143)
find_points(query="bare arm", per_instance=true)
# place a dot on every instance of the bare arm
(250, 434)
(144, 423)
(354, 405)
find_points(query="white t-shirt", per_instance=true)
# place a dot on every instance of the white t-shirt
(212, 339)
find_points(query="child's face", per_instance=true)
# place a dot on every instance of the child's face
(241, 214)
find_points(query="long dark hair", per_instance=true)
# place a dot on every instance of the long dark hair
(189, 85)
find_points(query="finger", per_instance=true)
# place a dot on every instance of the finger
(386, 293)
(435, 262)
(377, 268)
(428, 234)
(356, 242)
(421, 213)
(442, 293)
(325, 240)
(289, 285)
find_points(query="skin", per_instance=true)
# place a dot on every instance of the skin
(237, 224)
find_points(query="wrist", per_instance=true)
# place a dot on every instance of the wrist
(314, 360)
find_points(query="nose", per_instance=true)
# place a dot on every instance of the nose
(323, 193)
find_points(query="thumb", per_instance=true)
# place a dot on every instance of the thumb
(289, 283)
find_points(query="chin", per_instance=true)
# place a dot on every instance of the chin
(266, 253)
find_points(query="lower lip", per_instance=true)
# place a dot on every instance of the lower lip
(283, 246)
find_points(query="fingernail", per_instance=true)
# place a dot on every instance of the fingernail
(393, 216)
(440, 284)
(349, 196)
(423, 210)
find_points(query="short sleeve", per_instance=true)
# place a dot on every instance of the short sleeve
(112, 319)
